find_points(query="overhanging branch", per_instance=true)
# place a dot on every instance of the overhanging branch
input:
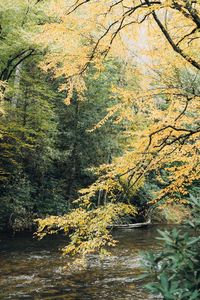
(175, 47)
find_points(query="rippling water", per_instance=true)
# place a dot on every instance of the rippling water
(31, 269)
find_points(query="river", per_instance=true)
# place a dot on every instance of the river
(32, 269)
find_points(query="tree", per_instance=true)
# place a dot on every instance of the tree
(168, 136)
(27, 132)
(166, 139)
(44, 142)
(81, 147)
(17, 22)
(138, 12)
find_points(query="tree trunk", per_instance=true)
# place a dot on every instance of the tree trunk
(17, 84)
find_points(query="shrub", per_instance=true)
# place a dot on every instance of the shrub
(176, 269)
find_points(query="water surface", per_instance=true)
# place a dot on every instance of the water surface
(31, 269)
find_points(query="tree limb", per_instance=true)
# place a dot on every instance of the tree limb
(175, 47)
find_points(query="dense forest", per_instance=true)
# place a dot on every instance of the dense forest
(46, 149)
(99, 123)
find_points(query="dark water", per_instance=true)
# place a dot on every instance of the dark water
(31, 269)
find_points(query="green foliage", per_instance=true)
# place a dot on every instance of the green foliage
(80, 149)
(28, 128)
(47, 153)
(18, 21)
(176, 269)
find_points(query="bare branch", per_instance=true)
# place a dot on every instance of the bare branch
(76, 6)
(187, 35)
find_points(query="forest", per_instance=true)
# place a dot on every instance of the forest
(100, 128)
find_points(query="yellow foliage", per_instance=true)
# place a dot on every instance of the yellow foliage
(161, 113)
(87, 229)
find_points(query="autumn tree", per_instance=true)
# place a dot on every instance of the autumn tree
(164, 105)
(108, 26)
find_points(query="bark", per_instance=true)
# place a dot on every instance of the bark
(17, 80)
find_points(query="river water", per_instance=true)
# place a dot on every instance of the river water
(31, 269)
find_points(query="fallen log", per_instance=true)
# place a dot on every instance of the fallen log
(130, 226)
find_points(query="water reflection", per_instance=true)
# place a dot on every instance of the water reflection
(31, 269)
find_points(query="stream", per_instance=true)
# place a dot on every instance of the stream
(32, 269)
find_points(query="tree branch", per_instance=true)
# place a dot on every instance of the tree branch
(175, 47)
